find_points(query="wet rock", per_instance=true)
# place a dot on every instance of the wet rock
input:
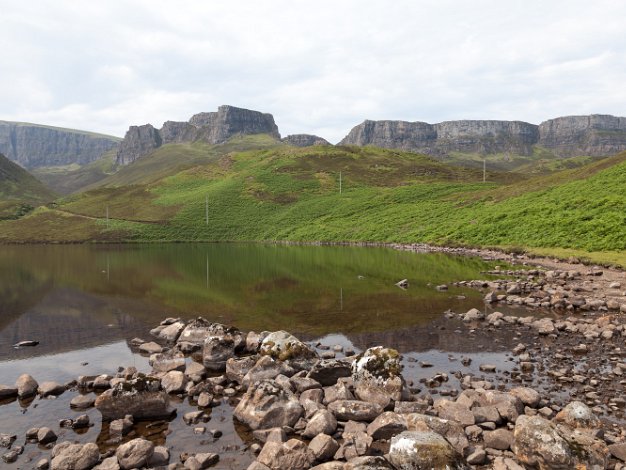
(216, 351)
(339, 391)
(377, 376)
(266, 368)
(118, 428)
(140, 398)
(237, 368)
(10, 456)
(322, 422)
(355, 410)
(68, 456)
(7, 392)
(134, 454)
(387, 425)
(423, 450)
(328, 371)
(150, 348)
(473, 315)
(174, 382)
(293, 454)
(545, 326)
(201, 461)
(323, 447)
(267, 405)
(42, 464)
(171, 332)
(195, 371)
(205, 399)
(26, 386)
(46, 435)
(82, 402)
(6, 440)
(81, 422)
(283, 346)
(577, 415)
(50, 388)
(166, 362)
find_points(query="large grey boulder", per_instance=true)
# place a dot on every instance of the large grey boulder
(377, 376)
(68, 456)
(268, 405)
(134, 454)
(293, 455)
(578, 415)
(355, 410)
(171, 332)
(216, 350)
(420, 450)
(453, 431)
(266, 368)
(283, 346)
(328, 371)
(141, 398)
(26, 386)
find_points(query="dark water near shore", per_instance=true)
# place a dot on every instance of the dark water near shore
(84, 303)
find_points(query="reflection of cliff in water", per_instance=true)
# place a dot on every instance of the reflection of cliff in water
(65, 320)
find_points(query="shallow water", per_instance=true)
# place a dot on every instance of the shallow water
(84, 303)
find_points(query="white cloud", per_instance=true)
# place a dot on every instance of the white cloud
(319, 67)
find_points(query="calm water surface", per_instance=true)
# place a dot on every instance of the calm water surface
(84, 303)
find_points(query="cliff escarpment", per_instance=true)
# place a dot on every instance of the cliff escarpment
(594, 135)
(212, 128)
(32, 145)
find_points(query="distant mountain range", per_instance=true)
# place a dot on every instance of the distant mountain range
(35, 146)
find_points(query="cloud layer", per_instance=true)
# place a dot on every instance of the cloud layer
(319, 67)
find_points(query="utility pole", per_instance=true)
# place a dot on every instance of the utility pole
(484, 170)
(206, 210)
(107, 216)
(340, 188)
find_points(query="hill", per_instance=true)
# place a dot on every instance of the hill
(19, 190)
(337, 194)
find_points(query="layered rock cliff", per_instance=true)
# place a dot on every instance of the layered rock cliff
(32, 145)
(212, 128)
(304, 140)
(595, 135)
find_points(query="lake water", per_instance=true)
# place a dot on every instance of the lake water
(85, 303)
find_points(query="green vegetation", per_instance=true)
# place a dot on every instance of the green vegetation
(259, 189)
(19, 190)
(72, 178)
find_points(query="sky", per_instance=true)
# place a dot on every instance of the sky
(319, 67)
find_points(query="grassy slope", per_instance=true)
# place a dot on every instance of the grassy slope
(72, 178)
(285, 193)
(19, 190)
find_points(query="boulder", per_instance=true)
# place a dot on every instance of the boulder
(141, 398)
(328, 371)
(7, 392)
(451, 430)
(266, 368)
(368, 462)
(322, 422)
(323, 447)
(355, 410)
(118, 428)
(267, 405)
(26, 386)
(377, 376)
(578, 415)
(160, 457)
(68, 456)
(339, 391)
(387, 425)
(50, 388)
(165, 362)
(134, 454)
(198, 330)
(500, 439)
(82, 402)
(216, 351)
(171, 332)
(527, 396)
(150, 348)
(109, 463)
(537, 443)
(283, 346)
(46, 435)
(238, 367)
(174, 382)
(293, 455)
(447, 409)
(419, 450)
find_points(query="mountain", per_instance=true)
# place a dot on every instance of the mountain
(212, 128)
(35, 145)
(595, 135)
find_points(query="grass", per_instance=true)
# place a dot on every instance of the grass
(259, 189)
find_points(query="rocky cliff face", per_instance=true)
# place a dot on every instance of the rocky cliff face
(32, 145)
(595, 135)
(213, 128)
(304, 140)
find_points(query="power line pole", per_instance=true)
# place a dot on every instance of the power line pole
(206, 210)
(484, 170)
(107, 216)
(340, 186)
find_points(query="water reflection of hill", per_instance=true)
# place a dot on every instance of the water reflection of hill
(65, 320)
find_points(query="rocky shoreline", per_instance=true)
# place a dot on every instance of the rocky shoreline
(559, 405)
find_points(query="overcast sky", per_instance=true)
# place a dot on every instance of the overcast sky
(319, 67)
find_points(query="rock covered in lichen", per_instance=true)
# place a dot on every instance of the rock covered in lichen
(141, 397)
(377, 375)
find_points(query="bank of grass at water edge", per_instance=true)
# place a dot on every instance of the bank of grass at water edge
(282, 193)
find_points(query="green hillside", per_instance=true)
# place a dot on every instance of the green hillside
(196, 192)
(19, 190)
